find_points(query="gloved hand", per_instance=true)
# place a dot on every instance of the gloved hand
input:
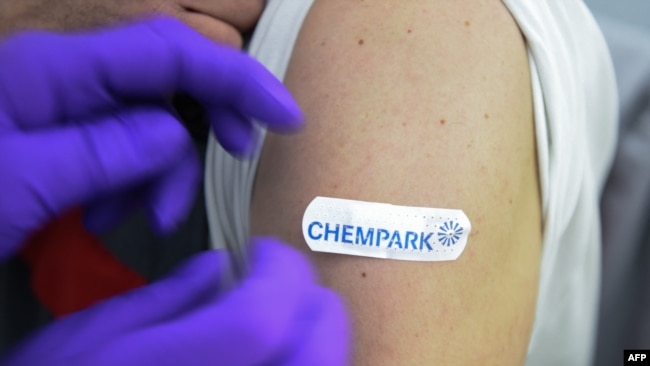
(277, 316)
(84, 119)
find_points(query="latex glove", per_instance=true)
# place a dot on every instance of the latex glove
(277, 316)
(84, 119)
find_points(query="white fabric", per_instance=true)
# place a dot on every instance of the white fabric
(576, 92)
(575, 114)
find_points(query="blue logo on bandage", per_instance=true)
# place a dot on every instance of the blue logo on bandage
(449, 233)
(369, 236)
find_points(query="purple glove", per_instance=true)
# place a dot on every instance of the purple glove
(84, 119)
(277, 316)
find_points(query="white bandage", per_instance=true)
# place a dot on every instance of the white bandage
(383, 230)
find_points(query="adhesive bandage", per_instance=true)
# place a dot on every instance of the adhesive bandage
(381, 230)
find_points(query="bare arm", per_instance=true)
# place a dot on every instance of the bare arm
(421, 103)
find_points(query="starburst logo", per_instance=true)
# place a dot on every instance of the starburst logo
(449, 233)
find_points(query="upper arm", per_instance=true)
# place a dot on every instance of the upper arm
(418, 103)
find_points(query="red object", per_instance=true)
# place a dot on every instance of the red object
(71, 269)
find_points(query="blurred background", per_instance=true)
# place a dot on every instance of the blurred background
(634, 12)
(624, 321)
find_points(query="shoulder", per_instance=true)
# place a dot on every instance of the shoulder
(419, 103)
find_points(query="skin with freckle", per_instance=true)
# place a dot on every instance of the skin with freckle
(470, 82)
(406, 107)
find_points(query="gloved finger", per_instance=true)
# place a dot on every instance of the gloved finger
(167, 199)
(74, 76)
(250, 325)
(192, 284)
(170, 198)
(270, 255)
(326, 340)
(235, 132)
(195, 282)
(106, 212)
(75, 165)
(267, 305)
